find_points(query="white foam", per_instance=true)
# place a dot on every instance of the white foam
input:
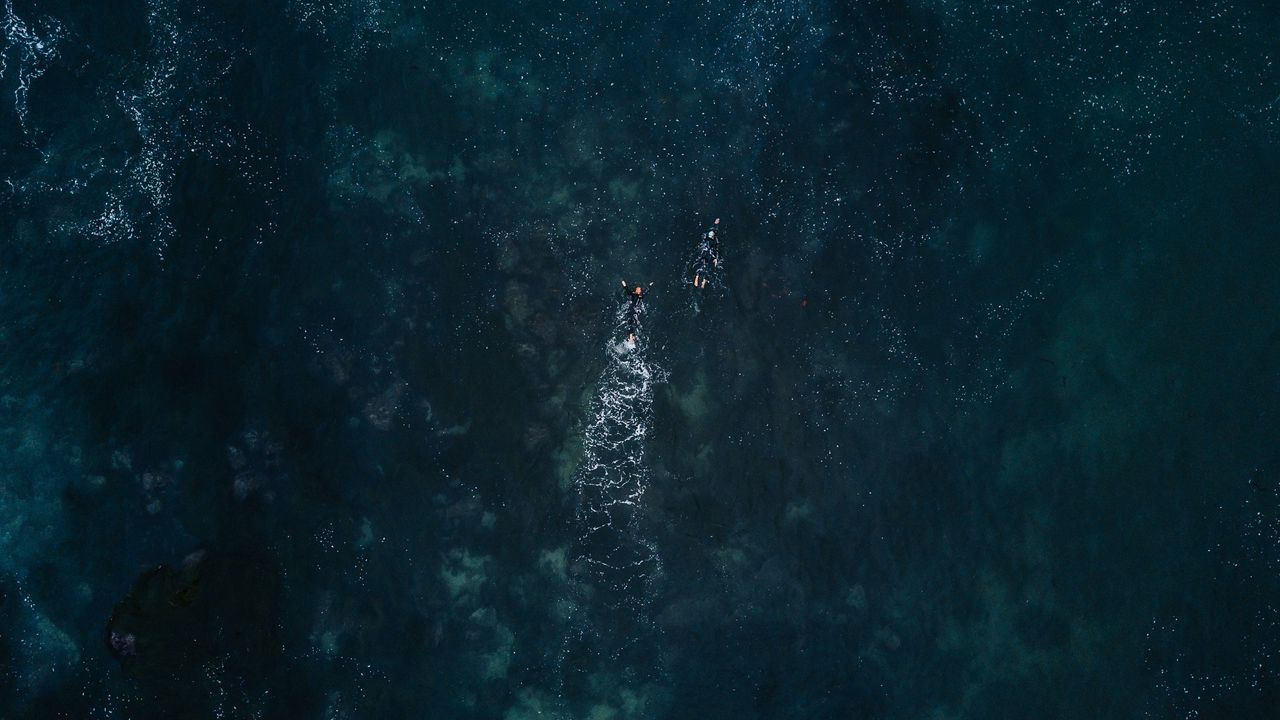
(616, 558)
(36, 49)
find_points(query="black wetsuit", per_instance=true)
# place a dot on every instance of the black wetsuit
(713, 241)
(708, 252)
(635, 306)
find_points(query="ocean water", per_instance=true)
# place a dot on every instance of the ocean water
(317, 400)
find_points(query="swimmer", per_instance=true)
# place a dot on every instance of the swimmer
(715, 243)
(635, 300)
(708, 254)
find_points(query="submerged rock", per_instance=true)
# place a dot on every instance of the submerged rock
(464, 574)
(382, 409)
(255, 463)
(209, 609)
(122, 645)
(857, 598)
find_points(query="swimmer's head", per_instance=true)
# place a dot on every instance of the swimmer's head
(639, 290)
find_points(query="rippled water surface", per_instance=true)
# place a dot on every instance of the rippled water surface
(318, 400)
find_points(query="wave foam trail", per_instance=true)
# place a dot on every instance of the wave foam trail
(152, 171)
(170, 112)
(615, 561)
(36, 49)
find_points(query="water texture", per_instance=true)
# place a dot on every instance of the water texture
(317, 398)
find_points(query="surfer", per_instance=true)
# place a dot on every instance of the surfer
(635, 306)
(708, 256)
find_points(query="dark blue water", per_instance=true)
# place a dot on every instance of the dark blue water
(317, 398)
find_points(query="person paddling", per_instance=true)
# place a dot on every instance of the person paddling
(635, 306)
(708, 256)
